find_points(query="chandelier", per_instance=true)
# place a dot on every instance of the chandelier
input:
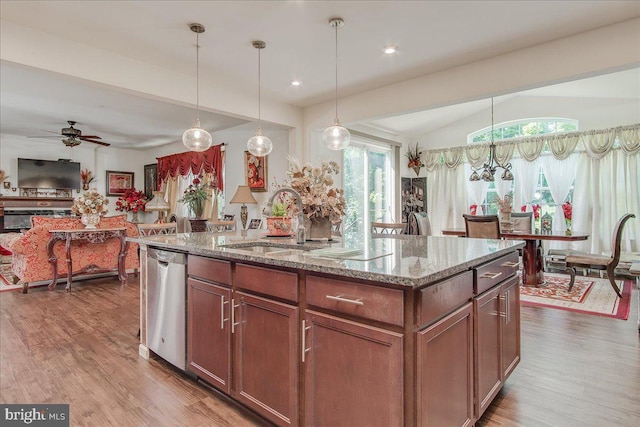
(489, 169)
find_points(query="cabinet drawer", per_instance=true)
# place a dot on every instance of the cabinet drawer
(214, 270)
(494, 272)
(371, 302)
(281, 284)
(442, 298)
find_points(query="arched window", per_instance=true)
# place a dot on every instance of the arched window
(523, 127)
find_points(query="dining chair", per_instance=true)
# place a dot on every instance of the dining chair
(522, 221)
(157, 229)
(482, 226)
(387, 227)
(597, 261)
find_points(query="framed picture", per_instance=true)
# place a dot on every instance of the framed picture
(413, 196)
(255, 224)
(150, 179)
(255, 168)
(118, 182)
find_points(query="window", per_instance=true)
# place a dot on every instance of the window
(368, 187)
(523, 127)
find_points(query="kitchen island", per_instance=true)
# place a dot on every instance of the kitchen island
(396, 331)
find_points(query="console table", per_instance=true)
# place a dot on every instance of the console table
(98, 235)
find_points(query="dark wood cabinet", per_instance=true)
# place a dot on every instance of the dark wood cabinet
(510, 298)
(444, 371)
(353, 373)
(209, 332)
(266, 357)
(487, 331)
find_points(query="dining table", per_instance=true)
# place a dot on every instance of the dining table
(532, 256)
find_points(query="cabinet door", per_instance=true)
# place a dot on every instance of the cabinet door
(510, 326)
(209, 333)
(488, 348)
(444, 372)
(266, 357)
(353, 374)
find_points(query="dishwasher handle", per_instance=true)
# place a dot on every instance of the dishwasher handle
(165, 257)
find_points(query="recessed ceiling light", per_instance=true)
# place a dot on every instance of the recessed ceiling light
(390, 49)
(296, 82)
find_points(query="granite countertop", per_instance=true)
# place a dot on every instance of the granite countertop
(401, 260)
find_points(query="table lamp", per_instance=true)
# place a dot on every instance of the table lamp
(157, 203)
(243, 195)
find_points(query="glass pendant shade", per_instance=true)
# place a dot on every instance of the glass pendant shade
(196, 138)
(336, 137)
(259, 145)
(474, 176)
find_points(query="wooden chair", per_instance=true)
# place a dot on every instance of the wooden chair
(522, 221)
(482, 226)
(156, 229)
(387, 228)
(600, 262)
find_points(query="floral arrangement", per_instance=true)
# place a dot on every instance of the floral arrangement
(195, 196)
(131, 200)
(90, 202)
(314, 184)
(567, 210)
(284, 204)
(536, 210)
(473, 209)
(86, 176)
(3, 176)
(504, 204)
(414, 156)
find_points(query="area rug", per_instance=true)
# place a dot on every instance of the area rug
(589, 295)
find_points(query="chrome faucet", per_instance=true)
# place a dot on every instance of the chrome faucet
(300, 233)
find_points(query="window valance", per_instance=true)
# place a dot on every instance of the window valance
(209, 161)
(597, 143)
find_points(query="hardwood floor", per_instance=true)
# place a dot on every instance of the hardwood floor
(81, 348)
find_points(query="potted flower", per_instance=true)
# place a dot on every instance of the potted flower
(414, 156)
(322, 204)
(132, 200)
(87, 178)
(567, 210)
(91, 205)
(195, 196)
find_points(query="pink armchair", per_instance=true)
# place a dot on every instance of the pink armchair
(30, 261)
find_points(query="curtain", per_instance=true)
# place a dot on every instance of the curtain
(196, 163)
(525, 176)
(477, 190)
(446, 197)
(560, 175)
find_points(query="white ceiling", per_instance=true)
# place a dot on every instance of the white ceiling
(431, 35)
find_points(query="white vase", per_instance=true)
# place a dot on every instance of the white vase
(90, 220)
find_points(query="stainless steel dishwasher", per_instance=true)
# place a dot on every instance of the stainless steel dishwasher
(166, 310)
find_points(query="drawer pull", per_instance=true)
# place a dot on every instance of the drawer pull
(343, 299)
(222, 318)
(511, 264)
(489, 275)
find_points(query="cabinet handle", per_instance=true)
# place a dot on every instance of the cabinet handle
(511, 264)
(506, 307)
(222, 318)
(489, 275)
(304, 339)
(233, 316)
(343, 299)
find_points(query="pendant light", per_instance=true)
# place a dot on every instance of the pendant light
(336, 137)
(197, 139)
(489, 169)
(259, 145)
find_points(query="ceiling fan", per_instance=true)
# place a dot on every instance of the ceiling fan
(73, 136)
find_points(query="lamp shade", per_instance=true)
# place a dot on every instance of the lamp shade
(157, 203)
(243, 195)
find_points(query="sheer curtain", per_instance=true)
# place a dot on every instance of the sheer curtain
(525, 182)
(446, 197)
(477, 190)
(607, 188)
(560, 175)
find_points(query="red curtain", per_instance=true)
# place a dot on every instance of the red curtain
(209, 161)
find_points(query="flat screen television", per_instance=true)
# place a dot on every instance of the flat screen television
(60, 174)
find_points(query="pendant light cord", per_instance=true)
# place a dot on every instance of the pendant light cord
(259, 100)
(336, 28)
(198, 78)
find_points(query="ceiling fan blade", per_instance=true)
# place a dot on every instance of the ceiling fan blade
(89, 137)
(106, 144)
(49, 137)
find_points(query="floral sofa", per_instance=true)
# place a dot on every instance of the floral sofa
(30, 260)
